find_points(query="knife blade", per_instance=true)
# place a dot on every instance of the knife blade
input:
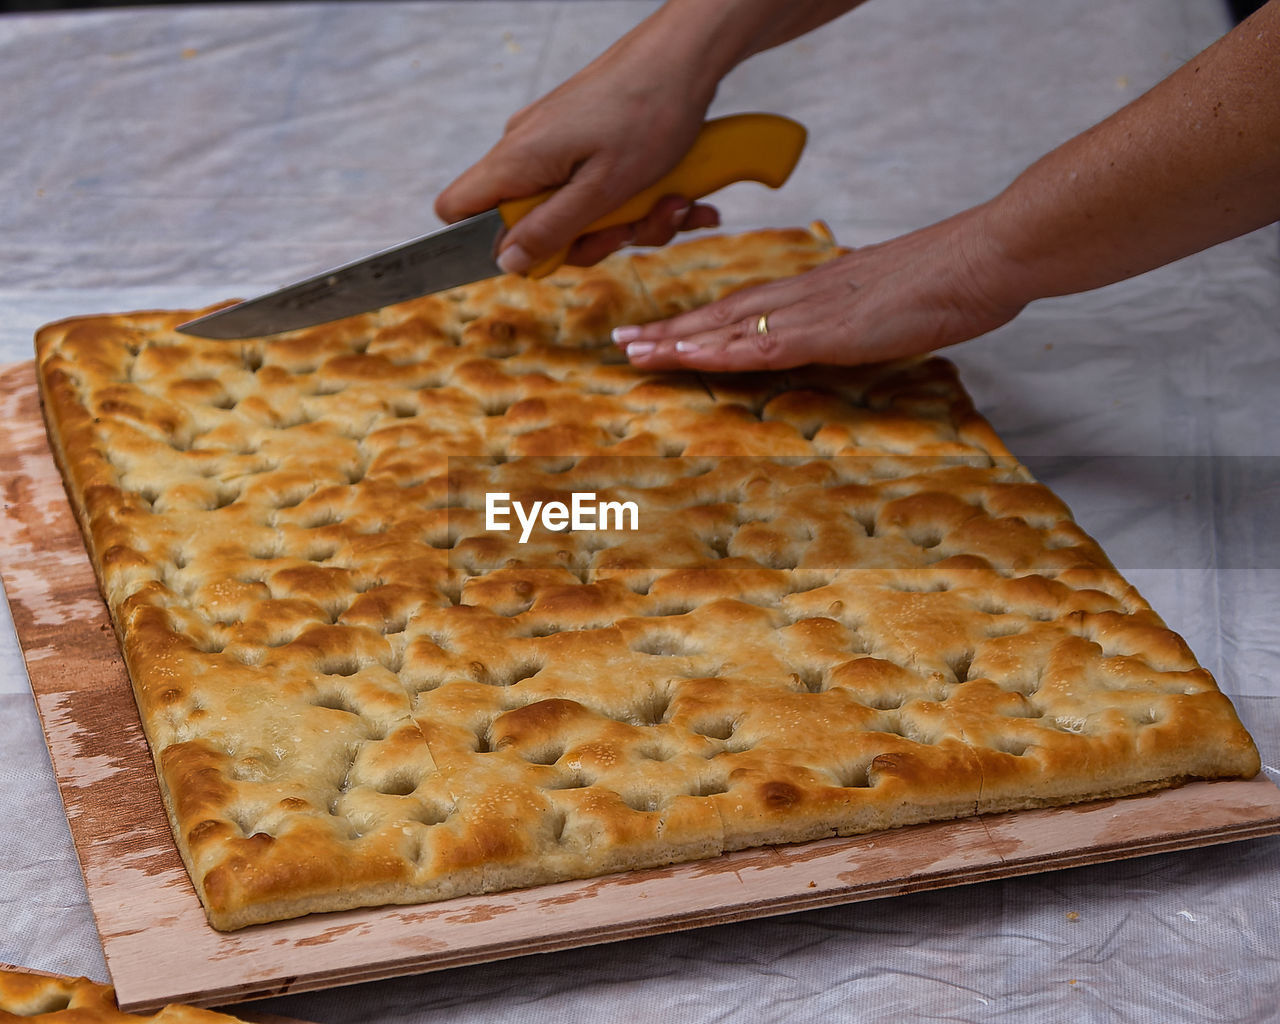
(741, 147)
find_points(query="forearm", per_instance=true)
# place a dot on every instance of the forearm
(713, 36)
(1191, 163)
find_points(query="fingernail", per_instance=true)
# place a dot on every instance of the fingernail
(678, 216)
(687, 346)
(625, 334)
(640, 348)
(514, 260)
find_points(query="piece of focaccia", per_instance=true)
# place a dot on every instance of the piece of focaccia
(46, 999)
(845, 606)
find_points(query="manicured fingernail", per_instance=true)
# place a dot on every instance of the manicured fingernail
(514, 260)
(678, 216)
(687, 346)
(625, 334)
(640, 348)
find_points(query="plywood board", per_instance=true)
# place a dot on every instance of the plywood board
(160, 949)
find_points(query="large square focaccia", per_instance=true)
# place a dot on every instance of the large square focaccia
(48, 999)
(846, 606)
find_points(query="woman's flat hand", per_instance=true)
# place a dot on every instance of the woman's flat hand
(934, 287)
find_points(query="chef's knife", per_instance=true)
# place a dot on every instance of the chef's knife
(742, 147)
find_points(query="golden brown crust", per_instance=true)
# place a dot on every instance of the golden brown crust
(49, 999)
(847, 608)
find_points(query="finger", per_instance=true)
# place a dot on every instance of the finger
(671, 215)
(457, 200)
(555, 224)
(592, 248)
(825, 331)
(701, 216)
(668, 216)
(714, 316)
(657, 229)
(788, 338)
(496, 176)
(664, 219)
(780, 349)
(717, 355)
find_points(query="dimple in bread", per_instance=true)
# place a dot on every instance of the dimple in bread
(847, 607)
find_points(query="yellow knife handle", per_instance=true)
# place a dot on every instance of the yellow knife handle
(741, 147)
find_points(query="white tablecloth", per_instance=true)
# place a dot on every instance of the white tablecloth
(177, 156)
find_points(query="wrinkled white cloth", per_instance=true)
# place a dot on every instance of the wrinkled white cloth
(177, 156)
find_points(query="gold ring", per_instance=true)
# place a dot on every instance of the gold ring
(762, 325)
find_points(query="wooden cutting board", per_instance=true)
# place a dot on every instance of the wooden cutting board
(160, 949)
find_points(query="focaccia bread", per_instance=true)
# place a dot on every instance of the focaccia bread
(846, 606)
(49, 999)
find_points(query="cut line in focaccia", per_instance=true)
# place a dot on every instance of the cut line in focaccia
(847, 606)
